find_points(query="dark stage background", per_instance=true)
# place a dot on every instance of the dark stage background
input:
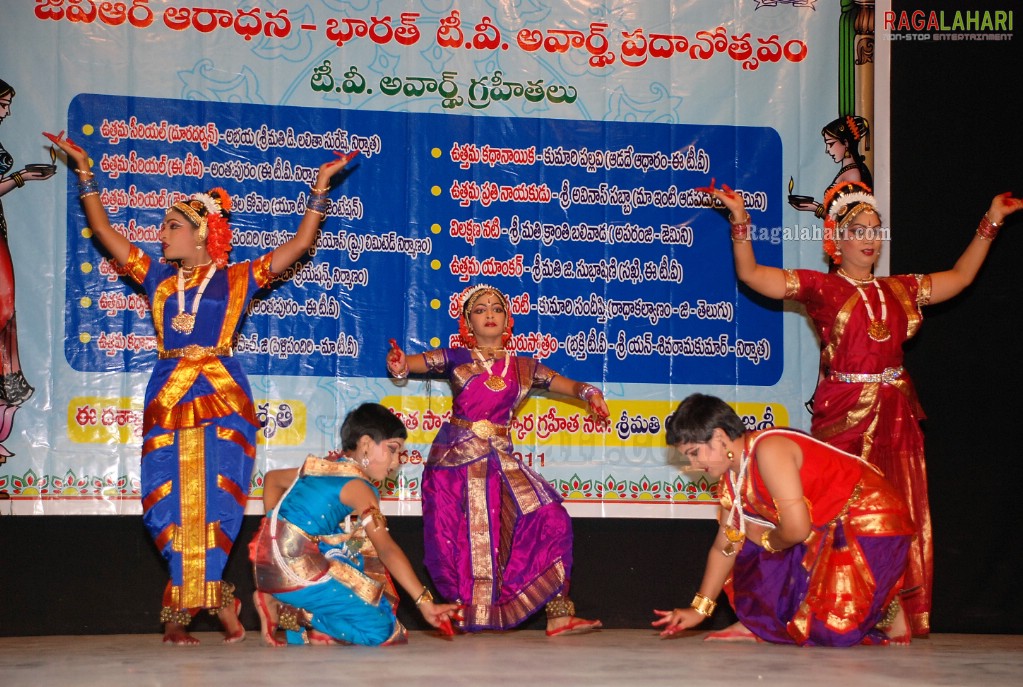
(956, 138)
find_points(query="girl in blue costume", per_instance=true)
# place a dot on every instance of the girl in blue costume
(323, 555)
(199, 424)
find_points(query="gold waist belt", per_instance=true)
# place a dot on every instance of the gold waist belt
(196, 352)
(484, 429)
(888, 376)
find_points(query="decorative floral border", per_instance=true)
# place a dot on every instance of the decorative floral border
(73, 486)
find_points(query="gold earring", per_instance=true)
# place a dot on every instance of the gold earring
(730, 456)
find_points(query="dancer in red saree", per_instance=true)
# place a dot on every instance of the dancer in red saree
(865, 403)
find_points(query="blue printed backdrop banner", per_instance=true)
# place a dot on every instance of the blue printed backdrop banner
(553, 150)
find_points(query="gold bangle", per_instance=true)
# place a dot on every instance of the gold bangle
(319, 191)
(86, 172)
(702, 605)
(747, 219)
(994, 224)
(19, 181)
(424, 596)
(766, 542)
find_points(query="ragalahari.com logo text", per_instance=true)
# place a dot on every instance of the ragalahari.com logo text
(948, 25)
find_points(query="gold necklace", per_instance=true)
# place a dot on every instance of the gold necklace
(493, 382)
(878, 330)
(849, 278)
(736, 535)
(189, 270)
(184, 322)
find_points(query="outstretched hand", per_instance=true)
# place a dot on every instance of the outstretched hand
(676, 620)
(331, 167)
(729, 198)
(441, 615)
(397, 364)
(73, 151)
(598, 406)
(1003, 205)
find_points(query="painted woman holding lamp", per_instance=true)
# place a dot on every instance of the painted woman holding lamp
(865, 403)
(199, 425)
(498, 540)
(14, 388)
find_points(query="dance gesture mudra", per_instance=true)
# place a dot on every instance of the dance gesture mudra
(865, 403)
(498, 540)
(199, 423)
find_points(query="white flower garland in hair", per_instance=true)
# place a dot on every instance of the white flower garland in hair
(847, 199)
(474, 290)
(212, 206)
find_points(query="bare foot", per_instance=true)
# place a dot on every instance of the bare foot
(176, 634)
(898, 632)
(571, 625)
(266, 607)
(318, 638)
(733, 633)
(233, 629)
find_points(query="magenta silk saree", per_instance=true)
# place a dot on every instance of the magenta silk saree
(497, 537)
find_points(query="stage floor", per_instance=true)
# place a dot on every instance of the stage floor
(609, 657)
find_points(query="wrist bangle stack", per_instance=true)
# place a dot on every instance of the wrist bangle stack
(88, 187)
(424, 596)
(586, 392)
(19, 180)
(317, 204)
(766, 542)
(401, 374)
(740, 228)
(316, 191)
(702, 605)
(987, 230)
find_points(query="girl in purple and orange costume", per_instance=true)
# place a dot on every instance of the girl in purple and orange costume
(498, 540)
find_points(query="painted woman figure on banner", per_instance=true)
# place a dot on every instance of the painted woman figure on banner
(199, 423)
(14, 388)
(865, 403)
(323, 558)
(498, 539)
(812, 541)
(842, 138)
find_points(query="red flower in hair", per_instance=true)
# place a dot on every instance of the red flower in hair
(830, 247)
(218, 241)
(468, 340)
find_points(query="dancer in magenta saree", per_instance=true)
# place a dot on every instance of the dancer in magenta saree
(498, 539)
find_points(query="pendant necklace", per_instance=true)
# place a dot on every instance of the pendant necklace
(736, 535)
(184, 322)
(878, 330)
(493, 382)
